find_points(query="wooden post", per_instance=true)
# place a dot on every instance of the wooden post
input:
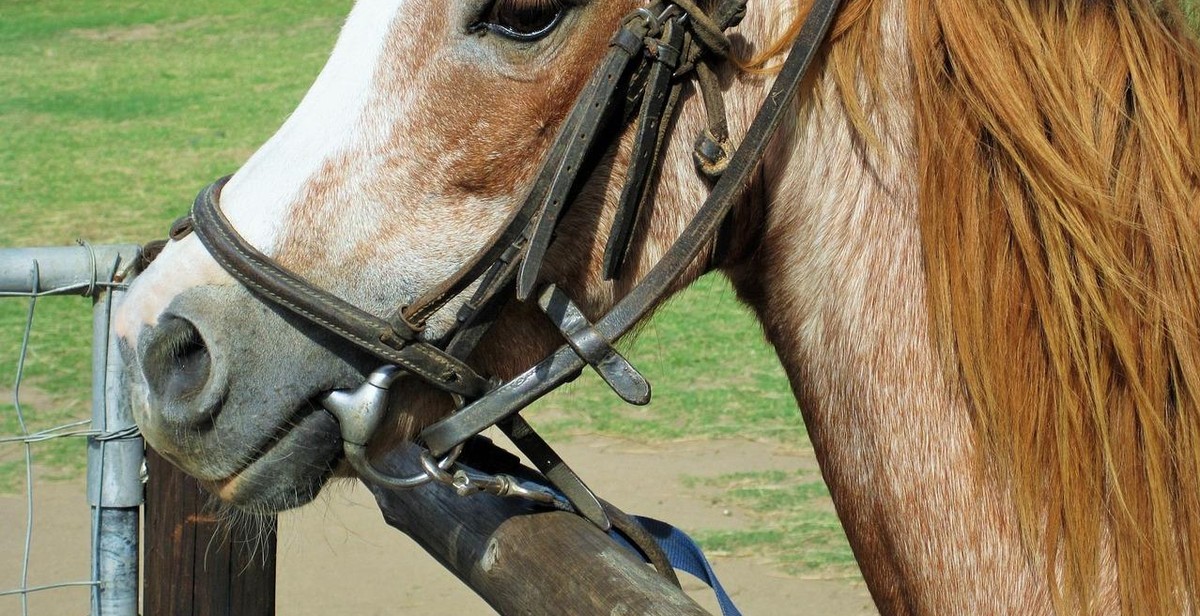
(525, 561)
(194, 564)
(519, 559)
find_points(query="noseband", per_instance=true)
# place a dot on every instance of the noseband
(641, 76)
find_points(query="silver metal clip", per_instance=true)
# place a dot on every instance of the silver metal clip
(467, 483)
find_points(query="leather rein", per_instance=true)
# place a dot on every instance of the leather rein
(642, 75)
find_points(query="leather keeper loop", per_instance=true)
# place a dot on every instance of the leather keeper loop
(181, 228)
(666, 54)
(593, 348)
(628, 40)
(589, 345)
(711, 156)
(403, 328)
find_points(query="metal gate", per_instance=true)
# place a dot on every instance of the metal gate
(114, 447)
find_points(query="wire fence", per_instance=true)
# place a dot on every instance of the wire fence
(114, 455)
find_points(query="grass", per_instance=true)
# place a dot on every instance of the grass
(55, 389)
(112, 114)
(114, 111)
(794, 524)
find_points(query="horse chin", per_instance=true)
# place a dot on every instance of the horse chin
(289, 472)
(248, 427)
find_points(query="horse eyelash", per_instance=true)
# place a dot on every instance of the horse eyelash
(482, 25)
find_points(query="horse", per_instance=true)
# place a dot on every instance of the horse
(974, 243)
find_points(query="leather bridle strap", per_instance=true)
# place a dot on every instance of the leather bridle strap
(658, 106)
(546, 199)
(560, 367)
(522, 241)
(387, 341)
(515, 256)
(574, 144)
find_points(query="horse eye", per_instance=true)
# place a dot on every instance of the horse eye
(522, 20)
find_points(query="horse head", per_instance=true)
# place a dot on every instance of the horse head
(418, 140)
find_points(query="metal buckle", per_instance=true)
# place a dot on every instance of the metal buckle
(672, 10)
(655, 22)
(652, 20)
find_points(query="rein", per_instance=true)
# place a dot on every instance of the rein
(641, 75)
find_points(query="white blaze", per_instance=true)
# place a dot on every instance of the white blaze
(325, 123)
(328, 121)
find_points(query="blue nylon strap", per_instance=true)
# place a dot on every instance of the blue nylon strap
(684, 554)
(682, 551)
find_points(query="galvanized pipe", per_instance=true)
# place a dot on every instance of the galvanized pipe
(116, 453)
(69, 270)
(116, 456)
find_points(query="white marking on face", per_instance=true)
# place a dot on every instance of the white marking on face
(328, 120)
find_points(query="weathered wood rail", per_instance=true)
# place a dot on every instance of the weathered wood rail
(197, 565)
(527, 561)
(520, 560)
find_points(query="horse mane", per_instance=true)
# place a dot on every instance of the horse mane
(1063, 261)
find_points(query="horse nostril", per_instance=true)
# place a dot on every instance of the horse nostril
(176, 362)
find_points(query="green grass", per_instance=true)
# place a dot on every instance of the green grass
(58, 362)
(56, 387)
(112, 114)
(793, 522)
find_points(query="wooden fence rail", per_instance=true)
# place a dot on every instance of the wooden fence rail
(518, 559)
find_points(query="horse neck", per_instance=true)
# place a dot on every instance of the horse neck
(839, 286)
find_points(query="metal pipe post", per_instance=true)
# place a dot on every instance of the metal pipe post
(116, 458)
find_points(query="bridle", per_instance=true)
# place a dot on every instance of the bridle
(642, 76)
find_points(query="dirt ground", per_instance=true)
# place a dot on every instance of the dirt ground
(338, 557)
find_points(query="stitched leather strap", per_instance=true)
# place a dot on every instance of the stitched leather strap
(281, 287)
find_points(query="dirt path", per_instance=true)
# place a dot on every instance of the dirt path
(343, 543)
(338, 557)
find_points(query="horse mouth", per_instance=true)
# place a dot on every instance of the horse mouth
(288, 470)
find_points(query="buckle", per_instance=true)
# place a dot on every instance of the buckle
(593, 348)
